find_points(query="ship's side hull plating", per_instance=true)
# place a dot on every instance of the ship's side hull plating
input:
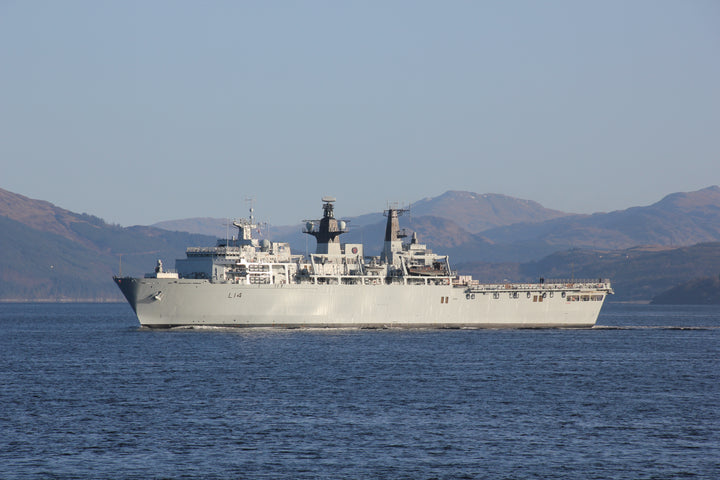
(160, 302)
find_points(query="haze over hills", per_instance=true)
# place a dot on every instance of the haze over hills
(679, 219)
(637, 273)
(448, 222)
(54, 254)
(682, 218)
(698, 291)
(49, 253)
(215, 227)
(472, 212)
(520, 230)
(476, 213)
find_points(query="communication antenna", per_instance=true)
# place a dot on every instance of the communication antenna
(251, 201)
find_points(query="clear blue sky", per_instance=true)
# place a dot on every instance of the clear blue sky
(153, 110)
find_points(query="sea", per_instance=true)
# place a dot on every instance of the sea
(86, 393)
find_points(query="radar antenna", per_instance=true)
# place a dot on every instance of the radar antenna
(327, 229)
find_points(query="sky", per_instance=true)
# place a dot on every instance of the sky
(143, 111)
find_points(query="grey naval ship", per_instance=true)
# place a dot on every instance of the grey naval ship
(248, 282)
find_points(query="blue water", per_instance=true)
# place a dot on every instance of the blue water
(86, 393)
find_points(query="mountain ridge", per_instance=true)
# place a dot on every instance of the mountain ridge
(50, 253)
(697, 291)
(42, 215)
(681, 218)
(473, 212)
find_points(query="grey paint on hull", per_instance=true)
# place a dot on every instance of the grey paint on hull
(183, 302)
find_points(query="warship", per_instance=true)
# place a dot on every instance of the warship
(248, 282)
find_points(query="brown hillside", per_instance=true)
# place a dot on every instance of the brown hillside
(476, 212)
(39, 215)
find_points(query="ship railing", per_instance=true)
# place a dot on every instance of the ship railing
(554, 284)
(213, 250)
(353, 278)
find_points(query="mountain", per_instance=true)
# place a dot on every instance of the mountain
(496, 228)
(42, 216)
(447, 237)
(699, 291)
(479, 212)
(637, 274)
(472, 212)
(449, 222)
(678, 219)
(49, 253)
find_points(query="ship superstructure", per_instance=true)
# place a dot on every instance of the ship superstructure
(245, 281)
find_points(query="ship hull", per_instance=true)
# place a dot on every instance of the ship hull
(165, 303)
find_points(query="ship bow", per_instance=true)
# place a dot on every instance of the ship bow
(129, 288)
